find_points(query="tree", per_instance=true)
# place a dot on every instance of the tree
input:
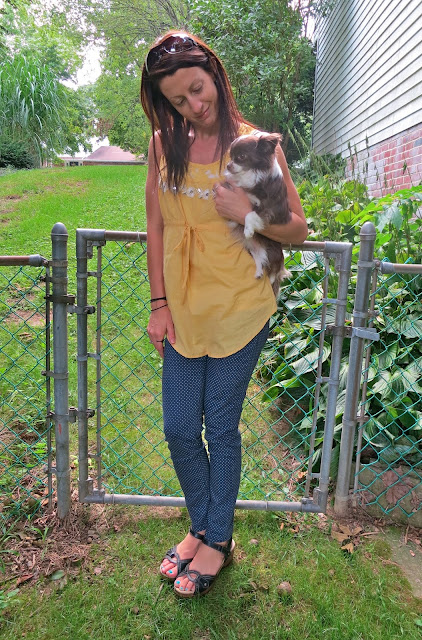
(124, 29)
(270, 63)
(119, 108)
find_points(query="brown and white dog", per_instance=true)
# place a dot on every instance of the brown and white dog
(254, 167)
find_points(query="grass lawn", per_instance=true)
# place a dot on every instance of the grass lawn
(96, 575)
(108, 586)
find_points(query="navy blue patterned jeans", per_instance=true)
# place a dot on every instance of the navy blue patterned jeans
(208, 391)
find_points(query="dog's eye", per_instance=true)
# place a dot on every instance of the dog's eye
(241, 157)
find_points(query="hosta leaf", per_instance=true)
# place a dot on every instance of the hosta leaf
(383, 384)
(398, 382)
(311, 317)
(341, 401)
(372, 433)
(387, 358)
(310, 360)
(344, 368)
(372, 372)
(389, 214)
(417, 425)
(409, 326)
(306, 424)
(295, 347)
(312, 259)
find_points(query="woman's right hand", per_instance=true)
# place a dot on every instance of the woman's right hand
(161, 325)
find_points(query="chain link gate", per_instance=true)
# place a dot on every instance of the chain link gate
(387, 478)
(25, 420)
(124, 458)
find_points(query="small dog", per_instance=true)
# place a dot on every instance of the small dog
(254, 167)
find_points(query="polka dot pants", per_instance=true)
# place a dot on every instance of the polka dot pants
(210, 391)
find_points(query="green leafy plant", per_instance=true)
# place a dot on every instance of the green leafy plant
(7, 597)
(397, 219)
(15, 154)
(337, 209)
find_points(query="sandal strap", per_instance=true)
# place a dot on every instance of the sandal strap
(224, 549)
(195, 534)
(175, 559)
(201, 581)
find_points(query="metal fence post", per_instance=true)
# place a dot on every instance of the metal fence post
(343, 265)
(82, 286)
(82, 237)
(60, 375)
(359, 335)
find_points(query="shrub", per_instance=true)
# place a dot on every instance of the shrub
(14, 153)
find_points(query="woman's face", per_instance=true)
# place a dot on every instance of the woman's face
(192, 92)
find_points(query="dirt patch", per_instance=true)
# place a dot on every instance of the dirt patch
(13, 196)
(46, 545)
(21, 311)
(406, 552)
(31, 318)
(404, 542)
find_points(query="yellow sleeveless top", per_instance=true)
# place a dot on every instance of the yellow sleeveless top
(217, 304)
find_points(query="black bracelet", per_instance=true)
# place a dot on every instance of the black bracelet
(162, 307)
(155, 299)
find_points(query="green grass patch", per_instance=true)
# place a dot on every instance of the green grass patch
(118, 593)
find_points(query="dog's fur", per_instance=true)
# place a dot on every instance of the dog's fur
(254, 167)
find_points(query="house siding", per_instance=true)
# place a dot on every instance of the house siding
(368, 83)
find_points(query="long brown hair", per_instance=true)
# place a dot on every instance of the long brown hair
(174, 129)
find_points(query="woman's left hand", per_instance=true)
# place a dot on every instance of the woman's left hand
(231, 202)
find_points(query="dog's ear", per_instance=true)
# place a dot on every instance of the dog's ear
(267, 142)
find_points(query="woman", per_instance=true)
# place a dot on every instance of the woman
(206, 304)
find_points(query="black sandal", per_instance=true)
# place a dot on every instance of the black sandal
(203, 582)
(174, 557)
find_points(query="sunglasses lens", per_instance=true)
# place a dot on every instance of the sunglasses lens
(178, 44)
(173, 44)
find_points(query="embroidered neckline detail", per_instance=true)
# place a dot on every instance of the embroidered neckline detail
(190, 192)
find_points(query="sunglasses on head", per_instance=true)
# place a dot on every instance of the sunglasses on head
(176, 43)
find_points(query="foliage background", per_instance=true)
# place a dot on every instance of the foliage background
(38, 53)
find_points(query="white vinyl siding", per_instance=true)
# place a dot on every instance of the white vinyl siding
(369, 73)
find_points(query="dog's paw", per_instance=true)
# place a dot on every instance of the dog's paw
(252, 223)
(284, 273)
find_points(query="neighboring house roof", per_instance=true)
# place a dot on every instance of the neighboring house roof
(112, 154)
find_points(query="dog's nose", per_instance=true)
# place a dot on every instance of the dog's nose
(230, 166)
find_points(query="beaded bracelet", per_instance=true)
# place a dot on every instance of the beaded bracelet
(155, 299)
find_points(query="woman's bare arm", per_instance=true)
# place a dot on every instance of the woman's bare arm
(160, 322)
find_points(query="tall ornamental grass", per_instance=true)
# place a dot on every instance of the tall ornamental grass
(32, 106)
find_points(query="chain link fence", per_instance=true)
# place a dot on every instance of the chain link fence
(25, 433)
(388, 475)
(299, 386)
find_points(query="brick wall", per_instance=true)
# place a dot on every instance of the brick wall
(395, 163)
